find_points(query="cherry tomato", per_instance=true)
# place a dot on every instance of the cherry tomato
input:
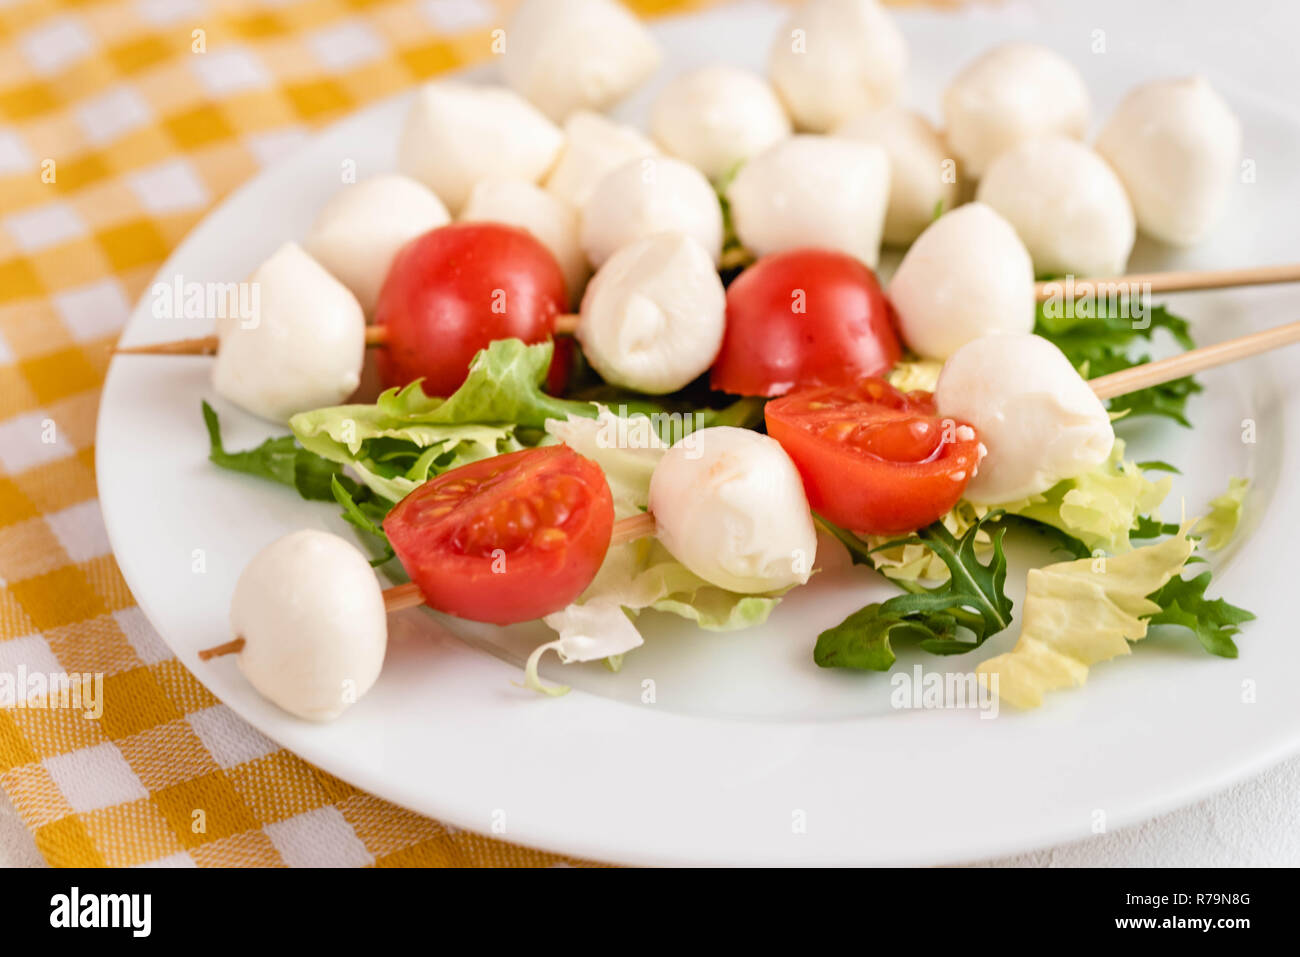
(457, 288)
(563, 358)
(874, 459)
(506, 539)
(803, 318)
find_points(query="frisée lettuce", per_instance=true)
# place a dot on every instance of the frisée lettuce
(1079, 613)
(637, 575)
(1220, 524)
(405, 438)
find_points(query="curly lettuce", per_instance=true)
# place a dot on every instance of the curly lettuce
(1100, 508)
(405, 437)
(1220, 524)
(1077, 614)
(640, 574)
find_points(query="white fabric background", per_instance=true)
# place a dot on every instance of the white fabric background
(1257, 822)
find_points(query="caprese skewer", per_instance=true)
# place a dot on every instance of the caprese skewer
(518, 536)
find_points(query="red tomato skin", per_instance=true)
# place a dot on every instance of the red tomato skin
(861, 491)
(804, 318)
(515, 582)
(457, 288)
(563, 359)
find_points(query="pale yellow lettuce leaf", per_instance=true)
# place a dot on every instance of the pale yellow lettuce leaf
(1099, 507)
(919, 562)
(1220, 524)
(1078, 613)
(913, 374)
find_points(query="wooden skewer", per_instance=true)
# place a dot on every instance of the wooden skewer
(201, 346)
(1197, 360)
(1106, 387)
(376, 336)
(1178, 281)
(408, 595)
(1181, 281)
(232, 647)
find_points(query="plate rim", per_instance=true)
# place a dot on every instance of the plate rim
(555, 837)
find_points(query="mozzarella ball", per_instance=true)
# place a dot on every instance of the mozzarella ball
(968, 275)
(730, 506)
(312, 617)
(1013, 93)
(302, 349)
(1175, 145)
(1038, 419)
(813, 191)
(593, 146)
(568, 55)
(553, 222)
(716, 117)
(653, 316)
(833, 59)
(922, 171)
(654, 194)
(1066, 204)
(457, 134)
(361, 229)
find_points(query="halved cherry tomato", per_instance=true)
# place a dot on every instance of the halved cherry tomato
(803, 318)
(457, 288)
(507, 539)
(874, 459)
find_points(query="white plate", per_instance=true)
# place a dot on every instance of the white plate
(748, 752)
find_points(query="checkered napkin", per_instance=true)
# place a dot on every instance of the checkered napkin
(116, 137)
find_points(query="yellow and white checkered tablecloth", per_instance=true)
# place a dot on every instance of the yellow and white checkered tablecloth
(116, 137)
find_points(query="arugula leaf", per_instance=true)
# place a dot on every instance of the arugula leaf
(279, 459)
(859, 551)
(1182, 602)
(274, 459)
(973, 598)
(862, 641)
(1059, 537)
(1148, 527)
(1097, 341)
(315, 478)
(1168, 399)
(363, 518)
(1155, 465)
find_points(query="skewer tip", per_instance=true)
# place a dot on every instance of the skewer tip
(229, 648)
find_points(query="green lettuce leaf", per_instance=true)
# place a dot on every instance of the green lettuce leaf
(405, 436)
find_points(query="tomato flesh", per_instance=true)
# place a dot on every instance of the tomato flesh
(803, 318)
(873, 459)
(454, 290)
(507, 539)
